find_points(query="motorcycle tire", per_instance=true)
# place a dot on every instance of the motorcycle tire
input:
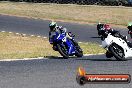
(79, 52)
(108, 54)
(113, 49)
(62, 52)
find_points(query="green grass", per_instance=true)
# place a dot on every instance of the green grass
(91, 48)
(14, 46)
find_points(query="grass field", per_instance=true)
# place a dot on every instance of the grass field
(14, 46)
(71, 13)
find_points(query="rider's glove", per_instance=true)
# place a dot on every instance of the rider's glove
(70, 34)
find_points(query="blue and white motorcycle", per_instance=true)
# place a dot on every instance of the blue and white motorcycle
(66, 47)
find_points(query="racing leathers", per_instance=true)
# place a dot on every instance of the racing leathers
(60, 30)
(130, 32)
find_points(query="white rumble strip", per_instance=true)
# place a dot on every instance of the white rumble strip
(93, 54)
(23, 59)
(44, 58)
(2, 31)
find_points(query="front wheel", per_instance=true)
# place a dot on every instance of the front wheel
(79, 52)
(63, 51)
(117, 52)
(108, 54)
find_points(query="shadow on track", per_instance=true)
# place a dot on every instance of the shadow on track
(99, 58)
(95, 37)
(90, 58)
(58, 57)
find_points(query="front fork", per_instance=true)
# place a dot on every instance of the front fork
(70, 47)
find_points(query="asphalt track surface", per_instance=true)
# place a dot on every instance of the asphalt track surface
(55, 72)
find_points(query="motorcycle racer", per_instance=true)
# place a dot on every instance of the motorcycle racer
(105, 28)
(59, 29)
(129, 26)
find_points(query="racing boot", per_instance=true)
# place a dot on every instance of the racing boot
(55, 47)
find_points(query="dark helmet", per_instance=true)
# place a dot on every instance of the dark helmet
(129, 26)
(52, 25)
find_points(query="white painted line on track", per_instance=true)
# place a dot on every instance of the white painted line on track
(2, 31)
(100, 45)
(38, 36)
(24, 59)
(32, 35)
(40, 57)
(24, 34)
(44, 58)
(10, 32)
(44, 37)
(93, 54)
(17, 33)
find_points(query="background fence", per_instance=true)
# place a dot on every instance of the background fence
(81, 2)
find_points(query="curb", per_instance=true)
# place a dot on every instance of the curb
(44, 58)
(23, 35)
(22, 59)
(93, 54)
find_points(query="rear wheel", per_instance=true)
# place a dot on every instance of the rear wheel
(117, 52)
(63, 51)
